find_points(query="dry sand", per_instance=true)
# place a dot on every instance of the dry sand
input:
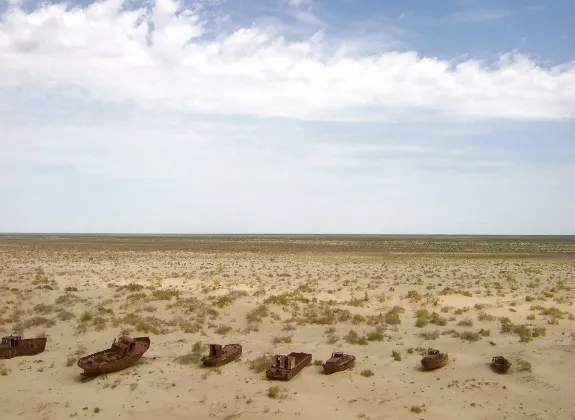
(370, 304)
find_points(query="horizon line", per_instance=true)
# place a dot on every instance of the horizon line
(4, 234)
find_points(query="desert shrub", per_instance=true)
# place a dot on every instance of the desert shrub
(421, 322)
(257, 314)
(165, 294)
(470, 336)
(429, 335)
(330, 330)
(223, 329)
(413, 296)
(261, 363)
(131, 287)
(392, 316)
(332, 339)
(354, 338)
(522, 366)
(376, 335)
(285, 339)
(483, 316)
(417, 409)
(194, 356)
(38, 321)
(276, 392)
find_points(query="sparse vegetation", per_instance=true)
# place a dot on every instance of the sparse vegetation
(195, 355)
(277, 392)
(418, 409)
(354, 294)
(261, 363)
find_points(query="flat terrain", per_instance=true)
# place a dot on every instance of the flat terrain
(384, 299)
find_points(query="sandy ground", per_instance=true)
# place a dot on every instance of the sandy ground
(473, 308)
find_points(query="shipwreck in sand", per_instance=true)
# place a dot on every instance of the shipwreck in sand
(500, 364)
(434, 359)
(338, 362)
(284, 368)
(220, 356)
(124, 352)
(14, 346)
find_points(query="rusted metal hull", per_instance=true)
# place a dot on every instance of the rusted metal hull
(284, 374)
(108, 361)
(500, 364)
(229, 353)
(338, 364)
(434, 361)
(25, 347)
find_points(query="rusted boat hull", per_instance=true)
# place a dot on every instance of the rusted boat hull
(334, 365)
(500, 364)
(93, 366)
(25, 347)
(431, 362)
(229, 353)
(286, 374)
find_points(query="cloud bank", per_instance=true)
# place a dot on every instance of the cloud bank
(165, 56)
(158, 117)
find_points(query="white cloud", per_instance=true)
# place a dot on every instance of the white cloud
(477, 16)
(307, 18)
(298, 3)
(98, 169)
(104, 50)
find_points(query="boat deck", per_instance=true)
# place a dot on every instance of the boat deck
(103, 357)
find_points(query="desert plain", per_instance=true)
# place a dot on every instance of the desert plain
(383, 299)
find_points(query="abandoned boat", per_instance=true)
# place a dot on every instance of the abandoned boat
(338, 362)
(14, 346)
(284, 368)
(220, 356)
(434, 359)
(500, 364)
(124, 352)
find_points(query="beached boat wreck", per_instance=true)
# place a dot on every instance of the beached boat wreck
(284, 368)
(500, 364)
(124, 352)
(338, 362)
(434, 359)
(220, 356)
(14, 346)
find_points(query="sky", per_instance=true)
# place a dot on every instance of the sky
(287, 116)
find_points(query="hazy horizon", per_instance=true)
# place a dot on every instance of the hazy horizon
(351, 235)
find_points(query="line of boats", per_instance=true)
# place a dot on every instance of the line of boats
(125, 351)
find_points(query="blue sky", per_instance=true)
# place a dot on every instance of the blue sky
(287, 116)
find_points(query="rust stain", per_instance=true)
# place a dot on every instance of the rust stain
(124, 352)
(14, 346)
